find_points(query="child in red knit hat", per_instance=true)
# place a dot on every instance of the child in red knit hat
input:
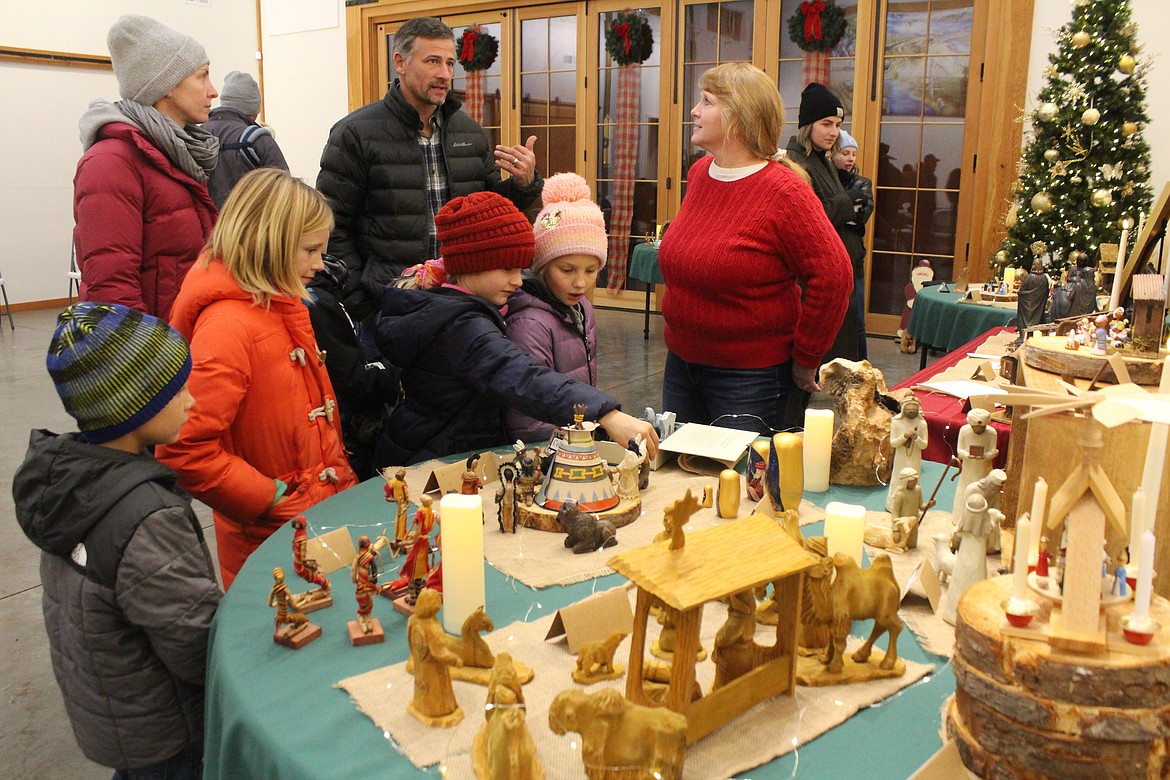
(459, 370)
(549, 317)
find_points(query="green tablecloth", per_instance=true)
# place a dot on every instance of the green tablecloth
(940, 320)
(644, 264)
(273, 713)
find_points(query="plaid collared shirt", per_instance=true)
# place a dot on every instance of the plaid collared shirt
(437, 191)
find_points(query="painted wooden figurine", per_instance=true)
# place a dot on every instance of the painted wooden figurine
(975, 454)
(506, 498)
(306, 568)
(503, 748)
(971, 561)
(417, 568)
(471, 481)
(397, 492)
(434, 702)
(620, 739)
(595, 660)
(364, 573)
(293, 629)
(908, 438)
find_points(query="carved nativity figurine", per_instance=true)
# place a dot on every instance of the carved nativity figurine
(976, 452)
(364, 573)
(620, 739)
(595, 660)
(434, 702)
(970, 567)
(908, 438)
(293, 629)
(397, 492)
(503, 748)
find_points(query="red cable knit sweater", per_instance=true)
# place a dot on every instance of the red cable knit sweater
(731, 261)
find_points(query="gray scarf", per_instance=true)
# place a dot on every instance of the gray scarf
(192, 149)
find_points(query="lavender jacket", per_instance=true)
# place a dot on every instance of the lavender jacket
(550, 332)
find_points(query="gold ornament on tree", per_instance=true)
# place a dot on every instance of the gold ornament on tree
(1126, 63)
(1102, 197)
(1042, 202)
(1091, 116)
(1051, 155)
(1128, 128)
(1080, 39)
(1047, 112)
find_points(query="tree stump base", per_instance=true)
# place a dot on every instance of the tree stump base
(536, 516)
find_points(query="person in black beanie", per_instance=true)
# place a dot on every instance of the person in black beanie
(813, 146)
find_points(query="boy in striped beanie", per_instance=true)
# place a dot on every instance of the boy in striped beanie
(129, 588)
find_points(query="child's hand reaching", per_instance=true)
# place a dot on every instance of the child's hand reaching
(621, 427)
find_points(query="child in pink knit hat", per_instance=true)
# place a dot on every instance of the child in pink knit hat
(550, 317)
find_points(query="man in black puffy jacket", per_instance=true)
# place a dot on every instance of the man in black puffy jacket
(390, 166)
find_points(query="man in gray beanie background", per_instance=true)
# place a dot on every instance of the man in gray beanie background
(243, 144)
(140, 200)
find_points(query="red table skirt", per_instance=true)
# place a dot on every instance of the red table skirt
(944, 413)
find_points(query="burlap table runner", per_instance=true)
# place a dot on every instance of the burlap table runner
(768, 730)
(539, 558)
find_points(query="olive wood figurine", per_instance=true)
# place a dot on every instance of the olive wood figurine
(595, 660)
(434, 702)
(620, 739)
(503, 748)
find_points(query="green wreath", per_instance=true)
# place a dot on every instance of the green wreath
(629, 39)
(817, 25)
(478, 49)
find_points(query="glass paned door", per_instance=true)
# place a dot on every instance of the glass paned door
(924, 72)
(548, 90)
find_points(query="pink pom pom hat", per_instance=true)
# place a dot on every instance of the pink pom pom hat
(570, 222)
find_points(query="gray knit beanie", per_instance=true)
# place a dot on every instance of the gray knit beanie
(150, 59)
(241, 93)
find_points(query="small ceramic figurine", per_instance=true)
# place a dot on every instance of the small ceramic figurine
(991, 488)
(908, 438)
(307, 569)
(595, 660)
(397, 492)
(528, 479)
(971, 561)
(977, 449)
(586, 532)
(364, 573)
(620, 739)
(503, 748)
(629, 470)
(434, 702)
(506, 498)
(293, 629)
(1100, 335)
(471, 479)
(733, 651)
(907, 503)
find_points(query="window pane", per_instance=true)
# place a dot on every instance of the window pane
(534, 38)
(945, 90)
(902, 87)
(898, 155)
(563, 89)
(893, 220)
(950, 27)
(562, 150)
(534, 103)
(841, 82)
(562, 36)
(906, 27)
(735, 31)
(702, 24)
(945, 144)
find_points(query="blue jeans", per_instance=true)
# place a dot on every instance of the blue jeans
(750, 399)
(186, 765)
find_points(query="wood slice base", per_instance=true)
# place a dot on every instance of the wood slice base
(1048, 353)
(1026, 709)
(299, 638)
(357, 637)
(812, 673)
(536, 516)
(312, 601)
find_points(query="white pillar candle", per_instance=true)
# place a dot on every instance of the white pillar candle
(818, 449)
(1009, 278)
(1039, 502)
(1020, 573)
(1115, 293)
(1145, 579)
(845, 529)
(1137, 524)
(461, 519)
(1156, 458)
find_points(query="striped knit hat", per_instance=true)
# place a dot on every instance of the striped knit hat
(483, 231)
(115, 368)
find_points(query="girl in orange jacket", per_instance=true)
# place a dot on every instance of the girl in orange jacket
(264, 441)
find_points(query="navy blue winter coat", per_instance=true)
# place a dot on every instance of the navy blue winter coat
(459, 373)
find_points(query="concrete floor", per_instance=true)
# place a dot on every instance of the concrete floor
(36, 740)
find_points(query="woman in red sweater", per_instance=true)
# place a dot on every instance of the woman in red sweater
(750, 228)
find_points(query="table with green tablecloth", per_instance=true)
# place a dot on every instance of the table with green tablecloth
(644, 268)
(942, 320)
(274, 713)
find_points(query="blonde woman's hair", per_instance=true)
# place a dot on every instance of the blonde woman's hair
(804, 138)
(259, 231)
(750, 107)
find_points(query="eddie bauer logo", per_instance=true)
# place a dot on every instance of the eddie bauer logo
(458, 144)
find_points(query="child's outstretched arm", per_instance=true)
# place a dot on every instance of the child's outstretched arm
(622, 428)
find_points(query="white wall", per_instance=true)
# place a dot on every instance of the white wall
(305, 86)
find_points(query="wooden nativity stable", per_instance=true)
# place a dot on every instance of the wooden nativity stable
(714, 564)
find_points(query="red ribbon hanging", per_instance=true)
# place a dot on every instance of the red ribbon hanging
(468, 51)
(623, 30)
(812, 19)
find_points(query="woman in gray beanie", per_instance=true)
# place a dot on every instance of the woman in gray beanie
(244, 145)
(140, 200)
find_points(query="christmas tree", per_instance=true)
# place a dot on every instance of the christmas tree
(1085, 164)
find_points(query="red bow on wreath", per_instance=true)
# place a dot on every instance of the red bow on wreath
(468, 51)
(812, 19)
(623, 29)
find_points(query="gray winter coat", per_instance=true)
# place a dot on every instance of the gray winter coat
(554, 335)
(373, 173)
(228, 124)
(129, 594)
